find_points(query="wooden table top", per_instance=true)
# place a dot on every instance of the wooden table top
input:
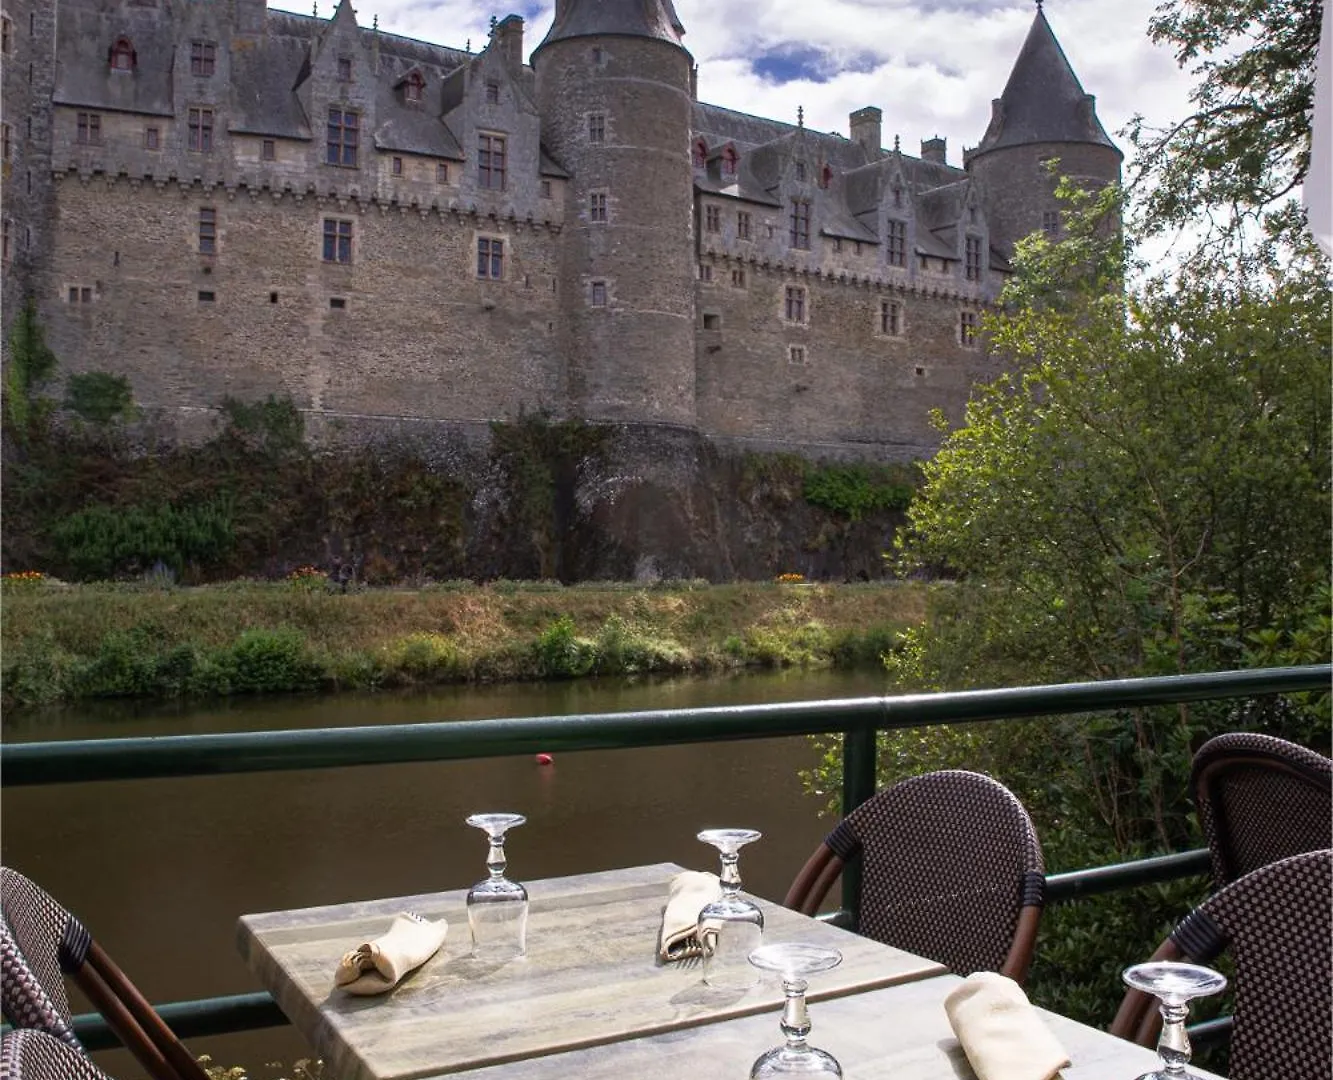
(898, 1033)
(590, 977)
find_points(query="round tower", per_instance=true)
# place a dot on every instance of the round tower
(1042, 114)
(613, 88)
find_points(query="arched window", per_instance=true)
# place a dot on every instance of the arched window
(700, 154)
(414, 87)
(826, 176)
(729, 159)
(122, 55)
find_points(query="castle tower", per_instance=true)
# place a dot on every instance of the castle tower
(1042, 114)
(613, 88)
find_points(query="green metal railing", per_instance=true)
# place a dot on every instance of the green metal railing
(857, 720)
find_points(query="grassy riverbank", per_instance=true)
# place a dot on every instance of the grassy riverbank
(65, 643)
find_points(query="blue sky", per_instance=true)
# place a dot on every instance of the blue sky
(932, 66)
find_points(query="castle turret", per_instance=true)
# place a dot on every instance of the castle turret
(1042, 114)
(613, 88)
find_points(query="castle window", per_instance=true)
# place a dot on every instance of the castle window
(268, 150)
(343, 139)
(415, 87)
(729, 159)
(546, 189)
(6, 143)
(794, 309)
(895, 250)
(491, 162)
(344, 69)
(967, 329)
(890, 317)
(825, 176)
(203, 55)
(6, 36)
(122, 55)
(152, 138)
(597, 56)
(337, 303)
(712, 219)
(80, 294)
(208, 231)
(796, 354)
(4, 240)
(492, 93)
(90, 129)
(705, 272)
(200, 126)
(1050, 222)
(596, 128)
(597, 206)
(599, 294)
(837, 243)
(206, 296)
(800, 224)
(397, 166)
(712, 321)
(897, 196)
(700, 154)
(490, 258)
(441, 173)
(738, 277)
(337, 240)
(272, 298)
(743, 225)
(972, 258)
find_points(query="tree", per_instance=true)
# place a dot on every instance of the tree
(31, 365)
(1246, 145)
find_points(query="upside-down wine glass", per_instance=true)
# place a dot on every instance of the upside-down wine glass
(794, 961)
(731, 927)
(1174, 985)
(497, 908)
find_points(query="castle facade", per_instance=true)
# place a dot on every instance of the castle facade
(214, 199)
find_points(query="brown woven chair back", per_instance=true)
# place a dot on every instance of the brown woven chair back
(42, 943)
(30, 1054)
(1260, 799)
(1277, 923)
(951, 870)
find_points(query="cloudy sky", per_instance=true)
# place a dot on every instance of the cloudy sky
(933, 66)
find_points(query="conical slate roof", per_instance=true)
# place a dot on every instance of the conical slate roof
(1043, 100)
(620, 18)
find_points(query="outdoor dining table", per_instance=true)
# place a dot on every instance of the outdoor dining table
(591, 1000)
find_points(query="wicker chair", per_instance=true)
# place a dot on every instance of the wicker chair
(40, 943)
(1260, 799)
(29, 1054)
(951, 870)
(1276, 921)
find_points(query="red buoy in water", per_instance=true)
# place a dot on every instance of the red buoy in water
(545, 759)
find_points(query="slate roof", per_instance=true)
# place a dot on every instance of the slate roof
(83, 74)
(618, 18)
(1043, 100)
(263, 87)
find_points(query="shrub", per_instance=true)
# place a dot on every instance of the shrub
(852, 491)
(265, 661)
(424, 656)
(99, 397)
(623, 649)
(101, 541)
(561, 654)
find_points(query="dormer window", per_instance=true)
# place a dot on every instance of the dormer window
(897, 196)
(700, 154)
(492, 93)
(414, 87)
(800, 172)
(826, 176)
(122, 55)
(203, 56)
(344, 69)
(729, 159)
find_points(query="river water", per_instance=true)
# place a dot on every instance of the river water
(159, 870)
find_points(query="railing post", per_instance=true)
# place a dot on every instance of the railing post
(858, 784)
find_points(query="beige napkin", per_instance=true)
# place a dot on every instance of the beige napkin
(1001, 1033)
(691, 892)
(377, 966)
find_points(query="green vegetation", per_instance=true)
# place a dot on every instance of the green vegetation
(852, 491)
(63, 643)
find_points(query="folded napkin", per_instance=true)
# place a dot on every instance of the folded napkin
(377, 966)
(691, 892)
(1001, 1033)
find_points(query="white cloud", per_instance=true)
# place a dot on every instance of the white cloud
(933, 67)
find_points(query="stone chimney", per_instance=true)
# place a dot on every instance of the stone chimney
(508, 41)
(867, 128)
(933, 150)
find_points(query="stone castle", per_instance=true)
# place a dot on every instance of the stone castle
(214, 199)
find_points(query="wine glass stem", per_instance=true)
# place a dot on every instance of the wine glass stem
(795, 1021)
(495, 858)
(730, 878)
(1174, 1045)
